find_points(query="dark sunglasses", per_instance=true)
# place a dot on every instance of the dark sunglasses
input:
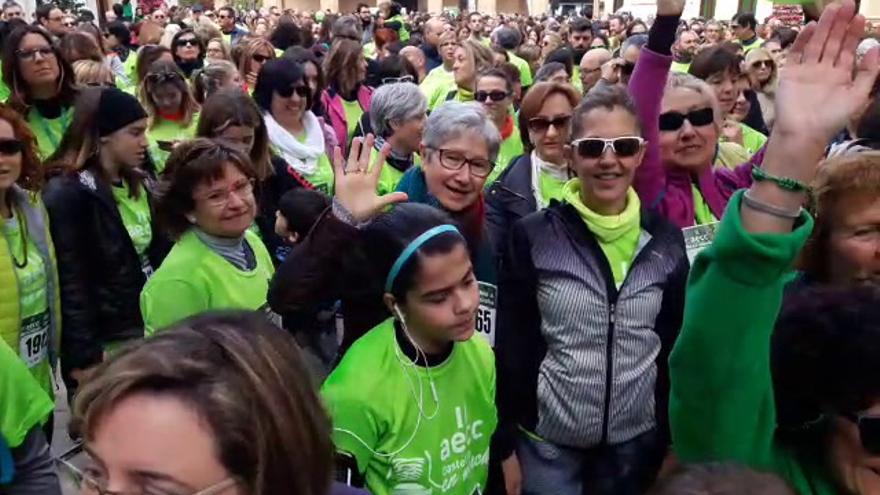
(261, 59)
(594, 147)
(540, 124)
(301, 91)
(162, 77)
(10, 147)
(869, 431)
(672, 121)
(762, 63)
(187, 42)
(482, 96)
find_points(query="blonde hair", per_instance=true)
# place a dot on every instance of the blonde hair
(248, 51)
(762, 54)
(223, 47)
(92, 73)
(686, 81)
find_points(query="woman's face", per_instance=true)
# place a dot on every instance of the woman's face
(225, 207)
(456, 190)
(854, 239)
(261, 29)
(761, 69)
(290, 107)
(442, 304)
(311, 73)
(258, 59)
(214, 51)
(37, 62)
(560, 77)
(10, 164)
(550, 140)
(152, 443)
(127, 146)
(447, 49)
(463, 68)
(638, 29)
(775, 51)
(187, 47)
(725, 86)
(690, 147)
(743, 105)
(408, 135)
(856, 469)
(242, 137)
(167, 97)
(548, 44)
(606, 179)
(490, 85)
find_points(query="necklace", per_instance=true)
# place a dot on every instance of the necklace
(22, 234)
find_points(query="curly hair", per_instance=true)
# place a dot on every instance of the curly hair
(31, 177)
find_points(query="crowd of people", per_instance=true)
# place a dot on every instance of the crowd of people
(385, 252)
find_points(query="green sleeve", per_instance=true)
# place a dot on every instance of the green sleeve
(721, 405)
(23, 402)
(356, 430)
(164, 302)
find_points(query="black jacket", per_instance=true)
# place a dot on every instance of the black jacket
(268, 194)
(509, 198)
(100, 273)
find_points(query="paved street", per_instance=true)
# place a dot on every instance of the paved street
(61, 441)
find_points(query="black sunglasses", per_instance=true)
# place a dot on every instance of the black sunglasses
(10, 147)
(541, 124)
(869, 431)
(260, 58)
(672, 121)
(301, 91)
(481, 96)
(762, 63)
(187, 42)
(594, 147)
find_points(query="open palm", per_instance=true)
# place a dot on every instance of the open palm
(355, 180)
(818, 91)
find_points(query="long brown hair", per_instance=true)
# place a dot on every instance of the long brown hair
(20, 99)
(247, 52)
(341, 65)
(31, 177)
(233, 107)
(164, 72)
(246, 379)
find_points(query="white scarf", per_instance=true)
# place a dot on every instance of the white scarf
(303, 157)
(559, 172)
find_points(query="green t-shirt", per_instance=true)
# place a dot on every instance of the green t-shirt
(576, 79)
(136, 218)
(389, 177)
(445, 449)
(49, 131)
(551, 187)
(702, 212)
(680, 67)
(193, 279)
(23, 404)
(5, 92)
(752, 139)
(32, 340)
(437, 84)
(511, 148)
(353, 114)
(525, 72)
(168, 131)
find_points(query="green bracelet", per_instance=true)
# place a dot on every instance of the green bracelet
(759, 175)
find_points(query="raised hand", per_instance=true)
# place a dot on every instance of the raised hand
(670, 7)
(355, 180)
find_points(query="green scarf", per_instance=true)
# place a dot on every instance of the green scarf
(618, 235)
(702, 212)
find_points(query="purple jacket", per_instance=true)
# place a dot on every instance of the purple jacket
(667, 188)
(335, 114)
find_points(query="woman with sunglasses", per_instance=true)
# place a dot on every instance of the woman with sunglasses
(253, 57)
(824, 343)
(347, 96)
(146, 56)
(173, 110)
(103, 227)
(535, 178)
(681, 125)
(495, 93)
(189, 51)
(42, 85)
(217, 262)
(471, 58)
(294, 131)
(216, 49)
(590, 302)
(764, 76)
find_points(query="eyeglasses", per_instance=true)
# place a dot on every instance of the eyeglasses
(768, 64)
(220, 198)
(31, 55)
(455, 160)
(401, 79)
(672, 121)
(161, 77)
(541, 124)
(496, 95)
(187, 42)
(260, 59)
(88, 485)
(301, 91)
(869, 431)
(625, 146)
(9, 147)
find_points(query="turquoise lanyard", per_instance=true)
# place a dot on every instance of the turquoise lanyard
(47, 131)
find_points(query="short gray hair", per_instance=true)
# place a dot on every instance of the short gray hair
(508, 37)
(347, 26)
(637, 40)
(397, 102)
(453, 119)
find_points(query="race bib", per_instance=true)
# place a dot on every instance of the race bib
(698, 238)
(486, 312)
(33, 344)
(146, 267)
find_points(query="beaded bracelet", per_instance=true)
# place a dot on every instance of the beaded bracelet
(759, 175)
(769, 209)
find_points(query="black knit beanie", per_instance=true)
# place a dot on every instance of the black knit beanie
(116, 110)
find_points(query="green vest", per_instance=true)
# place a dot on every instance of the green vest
(402, 33)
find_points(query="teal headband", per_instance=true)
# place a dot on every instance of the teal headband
(411, 248)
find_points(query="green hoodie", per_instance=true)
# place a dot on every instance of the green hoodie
(721, 405)
(23, 403)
